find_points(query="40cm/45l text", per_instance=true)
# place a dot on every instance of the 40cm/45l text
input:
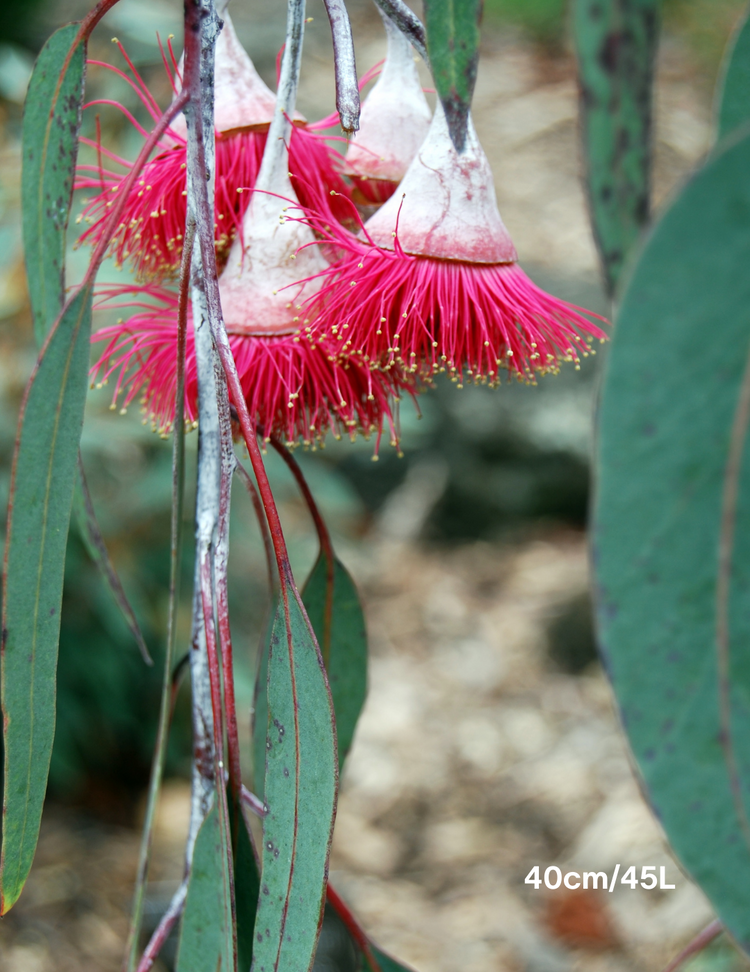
(554, 878)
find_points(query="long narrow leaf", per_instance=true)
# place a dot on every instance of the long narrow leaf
(615, 44)
(51, 119)
(44, 471)
(207, 919)
(335, 612)
(453, 46)
(300, 793)
(260, 706)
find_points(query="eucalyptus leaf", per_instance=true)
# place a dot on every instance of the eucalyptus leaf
(206, 928)
(615, 43)
(300, 794)
(44, 471)
(672, 527)
(335, 612)
(51, 120)
(452, 28)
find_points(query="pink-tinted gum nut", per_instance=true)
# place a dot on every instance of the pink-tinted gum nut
(241, 97)
(395, 116)
(445, 207)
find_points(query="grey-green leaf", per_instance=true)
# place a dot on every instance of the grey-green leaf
(51, 119)
(452, 28)
(300, 793)
(44, 471)
(206, 929)
(672, 523)
(335, 612)
(260, 706)
(733, 98)
(615, 44)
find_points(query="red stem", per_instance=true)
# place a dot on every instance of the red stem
(324, 537)
(92, 18)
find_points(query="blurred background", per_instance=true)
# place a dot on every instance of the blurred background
(489, 743)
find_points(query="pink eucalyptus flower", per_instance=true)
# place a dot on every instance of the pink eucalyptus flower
(297, 386)
(150, 234)
(393, 124)
(435, 285)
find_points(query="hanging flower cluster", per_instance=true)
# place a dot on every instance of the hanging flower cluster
(331, 319)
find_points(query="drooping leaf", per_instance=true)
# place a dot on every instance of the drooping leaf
(452, 28)
(733, 90)
(51, 119)
(260, 707)
(44, 473)
(246, 887)
(206, 928)
(52, 116)
(615, 43)
(300, 793)
(335, 612)
(672, 527)
(93, 540)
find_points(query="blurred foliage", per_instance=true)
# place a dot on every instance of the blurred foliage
(703, 24)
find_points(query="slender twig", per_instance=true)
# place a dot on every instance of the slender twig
(251, 801)
(324, 537)
(408, 23)
(93, 17)
(93, 540)
(167, 692)
(165, 926)
(347, 89)
(701, 940)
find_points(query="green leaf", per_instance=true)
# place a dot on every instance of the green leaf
(206, 929)
(453, 46)
(672, 527)
(335, 612)
(733, 100)
(300, 793)
(44, 472)
(51, 119)
(93, 541)
(616, 42)
(260, 706)
(52, 116)
(246, 887)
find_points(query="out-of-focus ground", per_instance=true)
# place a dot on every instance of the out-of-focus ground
(489, 743)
